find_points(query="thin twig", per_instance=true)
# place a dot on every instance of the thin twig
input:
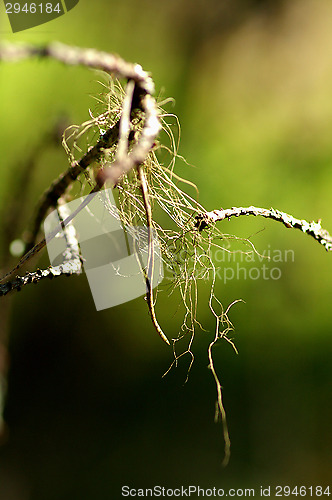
(150, 264)
(220, 409)
(36, 249)
(71, 261)
(112, 174)
(112, 65)
(121, 155)
(51, 196)
(67, 268)
(76, 56)
(313, 229)
(141, 149)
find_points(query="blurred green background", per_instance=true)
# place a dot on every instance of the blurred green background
(88, 410)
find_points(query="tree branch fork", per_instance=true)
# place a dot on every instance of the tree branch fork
(141, 97)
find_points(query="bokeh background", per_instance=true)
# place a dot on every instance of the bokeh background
(87, 409)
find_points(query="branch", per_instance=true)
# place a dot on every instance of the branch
(67, 269)
(76, 56)
(150, 264)
(121, 154)
(313, 229)
(141, 99)
(112, 65)
(94, 59)
(58, 187)
(71, 263)
(141, 149)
